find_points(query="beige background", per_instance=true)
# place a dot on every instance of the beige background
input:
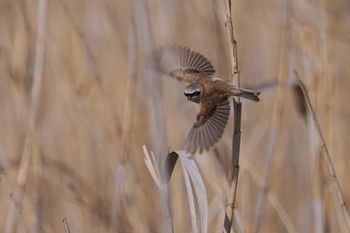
(97, 108)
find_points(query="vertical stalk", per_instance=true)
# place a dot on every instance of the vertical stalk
(326, 157)
(277, 115)
(237, 108)
(35, 94)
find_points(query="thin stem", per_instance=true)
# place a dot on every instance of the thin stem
(66, 226)
(326, 155)
(237, 107)
(232, 44)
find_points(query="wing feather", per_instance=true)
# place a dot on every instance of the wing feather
(208, 128)
(177, 61)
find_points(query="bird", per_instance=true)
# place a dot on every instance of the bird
(210, 92)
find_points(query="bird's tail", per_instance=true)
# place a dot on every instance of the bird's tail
(247, 94)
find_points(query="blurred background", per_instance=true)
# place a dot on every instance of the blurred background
(78, 104)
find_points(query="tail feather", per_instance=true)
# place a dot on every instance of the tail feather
(248, 94)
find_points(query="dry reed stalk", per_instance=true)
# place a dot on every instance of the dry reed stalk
(325, 68)
(119, 182)
(150, 80)
(14, 201)
(35, 94)
(233, 42)
(192, 178)
(326, 156)
(237, 108)
(37, 176)
(127, 123)
(316, 71)
(273, 200)
(130, 91)
(316, 175)
(155, 104)
(276, 117)
(316, 184)
(322, 71)
(65, 225)
(327, 104)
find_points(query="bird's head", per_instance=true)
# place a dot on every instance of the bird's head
(193, 92)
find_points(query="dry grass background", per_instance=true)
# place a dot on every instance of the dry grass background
(85, 148)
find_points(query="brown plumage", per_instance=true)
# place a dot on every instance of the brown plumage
(211, 93)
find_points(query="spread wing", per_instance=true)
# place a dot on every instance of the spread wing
(208, 128)
(177, 61)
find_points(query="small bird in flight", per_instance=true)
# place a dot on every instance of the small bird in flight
(210, 92)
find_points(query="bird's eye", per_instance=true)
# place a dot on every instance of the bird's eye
(196, 93)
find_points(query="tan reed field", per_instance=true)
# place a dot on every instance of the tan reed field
(78, 102)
